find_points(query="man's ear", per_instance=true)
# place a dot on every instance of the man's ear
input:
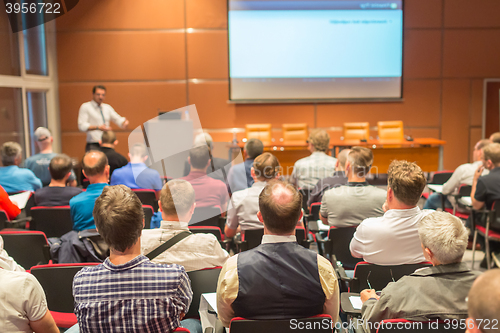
(100, 142)
(428, 254)
(129, 157)
(189, 160)
(83, 171)
(259, 216)
(252, 172)
(159, 206)
(115, 143)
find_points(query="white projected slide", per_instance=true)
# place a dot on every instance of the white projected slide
(291, 49)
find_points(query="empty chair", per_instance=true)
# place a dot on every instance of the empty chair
(57, 282)
(206, 216)
(52, 221)
(202, 281)
(488, 227)
(441, 177)
(242, 325)
(295, 134)
(337, 246)
(301, 235)
(356, 131)
(259, 131)
(250, 239)
(147, 197)
(314, 211)
(28, 248)
(464, 190)
(390, 130)
(148, 215)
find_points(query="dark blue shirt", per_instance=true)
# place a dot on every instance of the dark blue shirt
(137, 176)
(82, 205)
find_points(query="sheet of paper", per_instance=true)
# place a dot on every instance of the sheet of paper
(356, 302)
(20, 199)
(211, 299)
(436, 188)
(467, 201)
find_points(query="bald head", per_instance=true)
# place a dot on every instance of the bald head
(341, 159)
(280, 206)
(95, 165)
(484, 300)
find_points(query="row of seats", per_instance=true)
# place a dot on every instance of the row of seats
(299, 133)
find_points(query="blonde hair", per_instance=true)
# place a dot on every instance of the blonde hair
(177, 197)
(320, 140)
(407, 181)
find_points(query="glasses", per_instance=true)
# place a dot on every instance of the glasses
(368, 278)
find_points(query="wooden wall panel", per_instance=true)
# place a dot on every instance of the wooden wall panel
(471, 53)
(95, 15)
(423, 13)
(211, 103)
(420, 108)
(274, 114)
(73, 144)
(117, 56)
(472, 14)
(422, 54)
(476, 118)
(455, 125)
(206, 14)
(207, 55)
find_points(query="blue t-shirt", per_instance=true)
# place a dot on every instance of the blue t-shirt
(144, 178)
(16, 179)
(39, 164)
(82, 205)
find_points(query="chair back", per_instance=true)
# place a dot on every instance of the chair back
(147, 197)
(464, 190)
(295, 134)
(202, 281)
(494, 218)
(252, 238)
(301, 235)
(57, 282)
(148, 215)
(52, 221)
(441, 177)
(206, 216)
(379, 276)
(28, 248)
(259, 131)
(390, 130)
(207, 230)
(312, 325)
(407, 326)
(305, 197)
(3, 219)
(356, 131)
(339, 246)
(314, 211)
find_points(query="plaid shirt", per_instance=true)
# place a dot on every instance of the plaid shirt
(138, 296)
(308, 170)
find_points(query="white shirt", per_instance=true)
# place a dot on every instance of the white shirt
(243, 208)
(23, 300)
(90, 115)
(464, 174)
(194, 252)
(309, 170)
(6, 262)
(391, 239)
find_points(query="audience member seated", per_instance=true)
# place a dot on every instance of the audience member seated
(486, 189)
(128, 293)
(293, 282)
(24, 307)
(136, 174)
(348, 205)
(57, 193)
(462, 175)
(196, 251)
(244, 205)
(209, 192)
(495, 137)
(10, 208)
(217, 166)
(309, 170)
(108, 143)
(96, 169)
(339, 178)
(239, 177)
(12, 178)
(484, 303)
(39, 163)
(437, 292)
(392, 239)
(7, 262)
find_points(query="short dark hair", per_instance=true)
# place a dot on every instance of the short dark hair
(108, 137)
(361, 160)
(119, 217)
(254, 147)
(98, 87)
(266, 166)
(59, 166)
(97, 168)
(407, 181)
(199, 156)
(280, 205)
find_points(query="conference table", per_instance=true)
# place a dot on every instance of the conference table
(426, 152)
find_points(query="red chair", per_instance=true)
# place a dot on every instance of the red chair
(316, 323)
(147, 197)
(489, 228)
(181, 329)
(57, 282)
(53, 221)
(336, 246)
(463, 191)
(28, 248)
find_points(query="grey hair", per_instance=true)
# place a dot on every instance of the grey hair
(10, 151)
(445, 235)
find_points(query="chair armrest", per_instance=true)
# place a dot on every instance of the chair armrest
(241, 246)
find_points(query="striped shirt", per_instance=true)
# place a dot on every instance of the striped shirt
(138, 296)
(308, 170)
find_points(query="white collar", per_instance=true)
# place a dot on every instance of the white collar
(278, 239)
